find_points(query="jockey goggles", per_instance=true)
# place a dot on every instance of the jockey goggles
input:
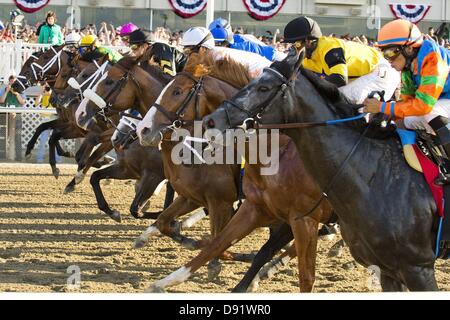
(390, 54)
(135, 46)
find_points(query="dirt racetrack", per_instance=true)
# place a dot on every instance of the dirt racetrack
(43, 232)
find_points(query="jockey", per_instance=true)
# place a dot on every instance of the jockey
(224, 36)
(425, 93)
(72, 41)
(200, 40)
(355, 68)
(89, 46)
(168, 58)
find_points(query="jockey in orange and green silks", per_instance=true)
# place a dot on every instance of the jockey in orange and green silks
(425, 92)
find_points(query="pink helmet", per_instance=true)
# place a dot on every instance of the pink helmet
(127, 28)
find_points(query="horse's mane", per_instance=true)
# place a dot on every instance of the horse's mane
(226, 69)
(128, 62)
(336, 101)
(91, 56)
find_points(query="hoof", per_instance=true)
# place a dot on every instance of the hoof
(146, 206)
(139, 243)
(155, 289)
(55, 172)
(253, 287)
(69, 188)
(28, 156)
(335, 252)
(79, 177)
(115, 215)
(214, 268)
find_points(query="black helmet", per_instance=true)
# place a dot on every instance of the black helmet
(301, 28)
(140, 36)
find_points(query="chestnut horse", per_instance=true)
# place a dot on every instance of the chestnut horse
(268, 197)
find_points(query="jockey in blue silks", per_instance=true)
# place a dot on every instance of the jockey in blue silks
(224, 36)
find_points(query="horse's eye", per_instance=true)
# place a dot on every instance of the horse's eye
(84, 76)
(177, 92)
(263, 89)
(109, 82)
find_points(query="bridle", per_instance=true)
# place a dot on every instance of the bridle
(176, 118)
(114, 92)
(39, 71)
(261, 108)
(255, 116)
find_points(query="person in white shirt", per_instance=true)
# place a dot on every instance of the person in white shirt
(200, 40)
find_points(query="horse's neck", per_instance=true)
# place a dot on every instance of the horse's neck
(324, 149)
(149, 91)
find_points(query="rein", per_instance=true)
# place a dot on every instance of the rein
(286, 83)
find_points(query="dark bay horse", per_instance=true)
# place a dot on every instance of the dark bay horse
(44, 66)
(128, 85)
(396, 234)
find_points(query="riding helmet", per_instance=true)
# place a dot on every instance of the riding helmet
(399, 33)
(140, 36)
(301, 28)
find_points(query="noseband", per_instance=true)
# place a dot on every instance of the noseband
(254, 116)
(176, 118)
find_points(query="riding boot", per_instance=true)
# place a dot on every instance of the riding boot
(441, 125)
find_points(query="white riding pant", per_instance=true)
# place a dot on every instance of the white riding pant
(441, 108)
(382, 78)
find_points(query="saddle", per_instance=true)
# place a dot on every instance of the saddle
(423, 153)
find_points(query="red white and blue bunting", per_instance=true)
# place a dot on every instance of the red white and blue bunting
(30, 6)
(263, 9)
(412, 12)
(187, 8)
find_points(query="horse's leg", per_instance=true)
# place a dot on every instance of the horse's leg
(179, 207)
(54, 138)
(115, 171)
(419, 278)
(279, 238)
(305, 235)
(81, 173)
(61, 152)
(390, 285)
(41, 128)
(145, 188)
(170, 193)
(247, 219)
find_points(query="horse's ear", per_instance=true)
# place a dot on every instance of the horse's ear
(298, 64)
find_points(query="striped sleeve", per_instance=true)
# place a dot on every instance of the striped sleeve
(434, 74)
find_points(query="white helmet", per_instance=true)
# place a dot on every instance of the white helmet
(72, 38)
(198, 36)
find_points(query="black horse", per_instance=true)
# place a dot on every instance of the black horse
(386, 211)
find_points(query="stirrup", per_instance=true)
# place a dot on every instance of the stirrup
(442, 180)
(444, 249)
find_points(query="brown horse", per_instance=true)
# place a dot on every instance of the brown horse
(268, 198)
(215, 187)
(129, 85)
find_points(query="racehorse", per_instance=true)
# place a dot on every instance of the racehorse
(127, 84)
(268, 197)
(358, 175)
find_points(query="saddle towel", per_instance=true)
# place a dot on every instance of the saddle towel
(382, 78)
